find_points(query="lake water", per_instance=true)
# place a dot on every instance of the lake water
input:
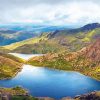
(44, 82)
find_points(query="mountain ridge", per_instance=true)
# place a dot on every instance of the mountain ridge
(52, 41)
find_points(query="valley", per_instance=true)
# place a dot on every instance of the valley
(59, 55)
(45, 81)
(49, 49)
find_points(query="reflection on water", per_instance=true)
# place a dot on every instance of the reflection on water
(25, 56)
(43, 82)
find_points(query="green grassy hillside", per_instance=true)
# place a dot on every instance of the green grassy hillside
(9, 65)
(56, 42)
(18, 44)
(86, 60)
(4, 50)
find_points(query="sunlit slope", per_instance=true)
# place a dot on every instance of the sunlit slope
(4, 50)
(58, 41)
(86, 60)
(9, 65)
(55, 42)
(28, 41)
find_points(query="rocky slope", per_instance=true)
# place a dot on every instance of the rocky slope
(86, 60)
(89, 96)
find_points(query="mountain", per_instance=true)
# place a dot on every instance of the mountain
(9, 65)
(93, 52)
(86, 60)
(85, 29)
(59, 40)
(90, 26)
(15, 33)
(8, 38)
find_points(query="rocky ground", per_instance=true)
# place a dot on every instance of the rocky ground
(18, 93)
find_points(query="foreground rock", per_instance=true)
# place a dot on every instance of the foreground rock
(18, 93)
(89, 96)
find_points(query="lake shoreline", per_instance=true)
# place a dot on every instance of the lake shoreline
(35, 69)
(47, 68)
(24, 93)
(19, 70)
(26, 60)
(64, 70)
(28, 73)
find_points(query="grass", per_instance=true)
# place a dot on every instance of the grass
(61, 62)
(28, 41)
(63, 40)
(23, 98)
(89, 36)
(9, 65)
(16, 93)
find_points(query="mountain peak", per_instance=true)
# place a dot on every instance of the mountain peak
(91, 26)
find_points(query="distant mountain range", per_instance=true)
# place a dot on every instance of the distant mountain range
(59, 40)
(15, 33)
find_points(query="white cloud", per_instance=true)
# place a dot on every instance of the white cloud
(63, 12)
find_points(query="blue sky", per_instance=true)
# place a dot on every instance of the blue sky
(53, 12)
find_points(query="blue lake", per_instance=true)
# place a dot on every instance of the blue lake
(44, 82)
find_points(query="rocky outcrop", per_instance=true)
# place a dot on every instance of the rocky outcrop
(90, 54)
(89, 96)
(8, 93)
(93, 51)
